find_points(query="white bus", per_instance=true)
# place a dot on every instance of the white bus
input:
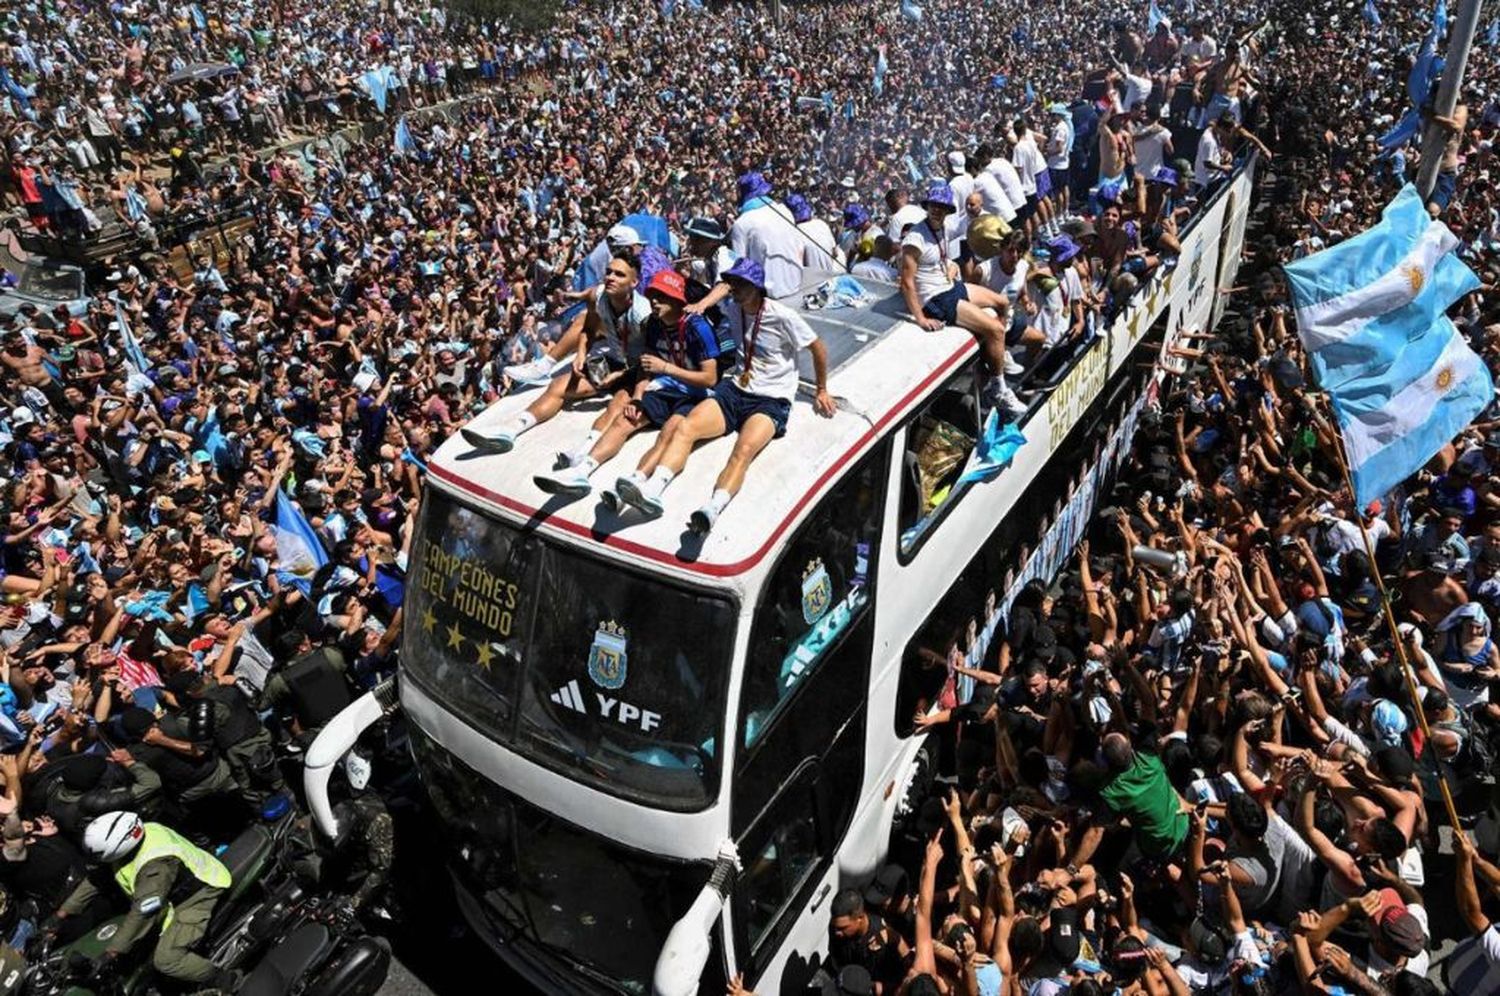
(597, 702)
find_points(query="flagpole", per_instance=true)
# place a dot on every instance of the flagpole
(1435, 137)
(1390, 621)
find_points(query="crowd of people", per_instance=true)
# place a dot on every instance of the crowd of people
(1204, 777)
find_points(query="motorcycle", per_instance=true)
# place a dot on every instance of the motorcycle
(287, 941)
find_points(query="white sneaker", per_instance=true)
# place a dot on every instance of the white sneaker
(500, 442)
(571, 482)
(629, 489)
(535, 372)
(997, 394)
(703, 520)
(611, 501)
(566, 459)
(1012, 368)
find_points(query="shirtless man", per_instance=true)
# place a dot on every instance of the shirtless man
(23, 361)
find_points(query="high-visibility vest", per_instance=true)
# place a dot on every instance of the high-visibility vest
(163, 842)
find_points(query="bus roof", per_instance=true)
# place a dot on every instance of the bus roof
(880, 364)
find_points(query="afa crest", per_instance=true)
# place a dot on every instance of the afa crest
(817, 591)
(607, 656)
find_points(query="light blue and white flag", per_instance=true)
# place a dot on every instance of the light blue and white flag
(129, 344)
(1492, 36)
(997, 448)
(403, 140)
(880, 68)
(1370, 312)
(910, 10)
(1371, 15)
(1154, 16)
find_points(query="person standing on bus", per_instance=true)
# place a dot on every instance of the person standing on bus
(755, 403)
(937, 299)
(682, 360)
(606, 358)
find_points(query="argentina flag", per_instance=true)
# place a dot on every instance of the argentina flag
(1370, 312)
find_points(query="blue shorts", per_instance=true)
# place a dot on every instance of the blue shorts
(1058, 178)
(944, 307)
(739, 406)
(1443, 190)
(1026, 211)
(1043, 183)
(660, 405)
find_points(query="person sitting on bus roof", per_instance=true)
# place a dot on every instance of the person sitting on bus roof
(708, 258)
(604, 361)
(682, 358)
(755, 403)
(937, 299)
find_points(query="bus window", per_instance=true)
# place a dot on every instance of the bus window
(612, 678)
(820, 588)
(939, 442)
(775, 876)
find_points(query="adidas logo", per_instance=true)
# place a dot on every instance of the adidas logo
(569, 695)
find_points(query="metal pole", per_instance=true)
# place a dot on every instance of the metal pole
(776, 12)
(1435, 138)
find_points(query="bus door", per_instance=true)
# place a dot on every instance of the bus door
(801, 729)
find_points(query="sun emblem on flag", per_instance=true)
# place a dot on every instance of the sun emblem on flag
(1416, 278)
(1444, 379)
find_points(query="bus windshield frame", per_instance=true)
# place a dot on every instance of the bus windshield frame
(611, 676)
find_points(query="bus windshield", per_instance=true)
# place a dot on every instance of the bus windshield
(614, 678)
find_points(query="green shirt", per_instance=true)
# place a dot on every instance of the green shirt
(1143, 793)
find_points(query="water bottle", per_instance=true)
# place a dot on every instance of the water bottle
(1162, 560)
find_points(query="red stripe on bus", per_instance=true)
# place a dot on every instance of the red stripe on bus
(715, 570)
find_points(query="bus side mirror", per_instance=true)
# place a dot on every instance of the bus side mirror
(333, 741)
(688, 945)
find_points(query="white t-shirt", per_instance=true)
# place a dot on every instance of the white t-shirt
(1205, 166)
(1004, 172)
(906, 216)
(775, 340)
(876, 269)
(1009, 284)
(1137, 91)
(1474, 966)
(1151, 149)
(1029, 162)
(1059, 143)
(768, 234)
(958, 222)
(995, 200)
(820, 249)
(932, 261)
(1194, 50)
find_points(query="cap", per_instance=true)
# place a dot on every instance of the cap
(940, 194)
(1402, 932)
(670, 284)
(1164, 175)
(752, 184)
(21, 415)
(1079, 228)
(856, 216)
(986, 233)
(1208, 942)
(621, 236)
(958, 162)
(705, 228)
(747, 271)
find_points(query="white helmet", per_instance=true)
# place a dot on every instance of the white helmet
(110, 837)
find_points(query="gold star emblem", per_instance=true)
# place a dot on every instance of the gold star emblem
(455, 637)
(486, 654)
(1415, 278)
(1444, 379)
(428, 619)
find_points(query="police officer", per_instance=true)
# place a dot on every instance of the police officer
(82, 786)
(169, 882)
(234, 729)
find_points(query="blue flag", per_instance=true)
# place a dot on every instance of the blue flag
(378, 83)
(880, 68)
(404, 142)
(667, 7)
(1154, 16)
(911, 11)
(1030, 94)
(1492, 36)
(1370, 313)
(129, 343)
(996, 449)
(1371, 15)
(1440, 18)
(299, 551)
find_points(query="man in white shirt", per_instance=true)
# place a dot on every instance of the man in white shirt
(936, 299)
(1004, 172)
(901, 212)
(820, 250)
(766, 232)
(755, 402)
(962, 184)
(1153, 143)
(1032, 166)
(1059, 152)
(1474, 966)
(1212, 160)
(1199, 51)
